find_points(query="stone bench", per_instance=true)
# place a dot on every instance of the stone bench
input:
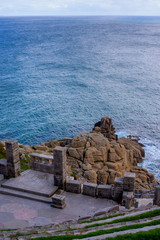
(90, 189)
(58, 201)
(73, 186)
(104, 191)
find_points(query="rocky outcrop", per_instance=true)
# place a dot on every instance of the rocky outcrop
(100, 156)
(106, 128)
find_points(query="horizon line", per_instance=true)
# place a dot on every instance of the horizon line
(85, 15)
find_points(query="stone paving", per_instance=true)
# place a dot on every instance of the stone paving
(33, 182)
(20, 213)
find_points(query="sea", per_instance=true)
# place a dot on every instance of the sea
(60, 75)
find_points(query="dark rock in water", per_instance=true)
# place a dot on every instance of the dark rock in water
(136, 138)
(106, 127)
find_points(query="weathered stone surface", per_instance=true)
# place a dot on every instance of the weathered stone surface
(91, 176)
(112, 175)
(106, 128)
(118, 189)
(102, 176)
(13, 161)
(28, 149)
(87, 167)
(41, 148)
(33, 182)
(114, 209)
(129, 202)
(135, 146)
(42, 163)
(59, 154)
(157, 195)
(102, 155)
(3, 167)
(108, 157)
(73, 186)
(104, 191)
(127, 195)
(129, 181)
(143, 176)
(90, 189)
(58, 201)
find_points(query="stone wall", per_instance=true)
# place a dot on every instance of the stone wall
(42, 163)
(123, 188)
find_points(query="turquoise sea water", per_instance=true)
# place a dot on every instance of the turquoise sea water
(59, 75)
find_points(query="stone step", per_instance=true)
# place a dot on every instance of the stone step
(26, 195)
(34, 182)
(52, 229)
(104, 227)
(41, 233)
(128, 214)
(116, 225)
(105, 236)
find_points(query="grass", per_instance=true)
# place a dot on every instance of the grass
(23, 234)
(102, 218)
(149, 214)
(153, 234)
(7, 230)
(2, 151)
(93, 220)
(25, 163)
(101, 232)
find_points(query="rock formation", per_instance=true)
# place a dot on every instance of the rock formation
(106, 128)
(100, 157)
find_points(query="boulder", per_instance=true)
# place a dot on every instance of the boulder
(102, 176)
(91, 176)
(106, 128)
(104, 156)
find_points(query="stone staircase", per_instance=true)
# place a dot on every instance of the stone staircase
(30, 184)
(102, 227)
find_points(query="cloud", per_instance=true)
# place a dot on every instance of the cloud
(79, 7)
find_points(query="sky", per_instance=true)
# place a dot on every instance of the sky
(79, 7)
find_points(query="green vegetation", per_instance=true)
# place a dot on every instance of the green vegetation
(7, 230)
(149, 214)
(101, 232)
(2, 151)
(25, 162)
(102, 218)
(73, 174)
(23, 234)
(153, 234)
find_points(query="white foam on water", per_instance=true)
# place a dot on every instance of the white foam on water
(152, 157)
(122, 134)
(152, 154)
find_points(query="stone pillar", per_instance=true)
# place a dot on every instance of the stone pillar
(59, 155)
(129, 181)
(157, 195)
(118, 189)
(13, 162)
